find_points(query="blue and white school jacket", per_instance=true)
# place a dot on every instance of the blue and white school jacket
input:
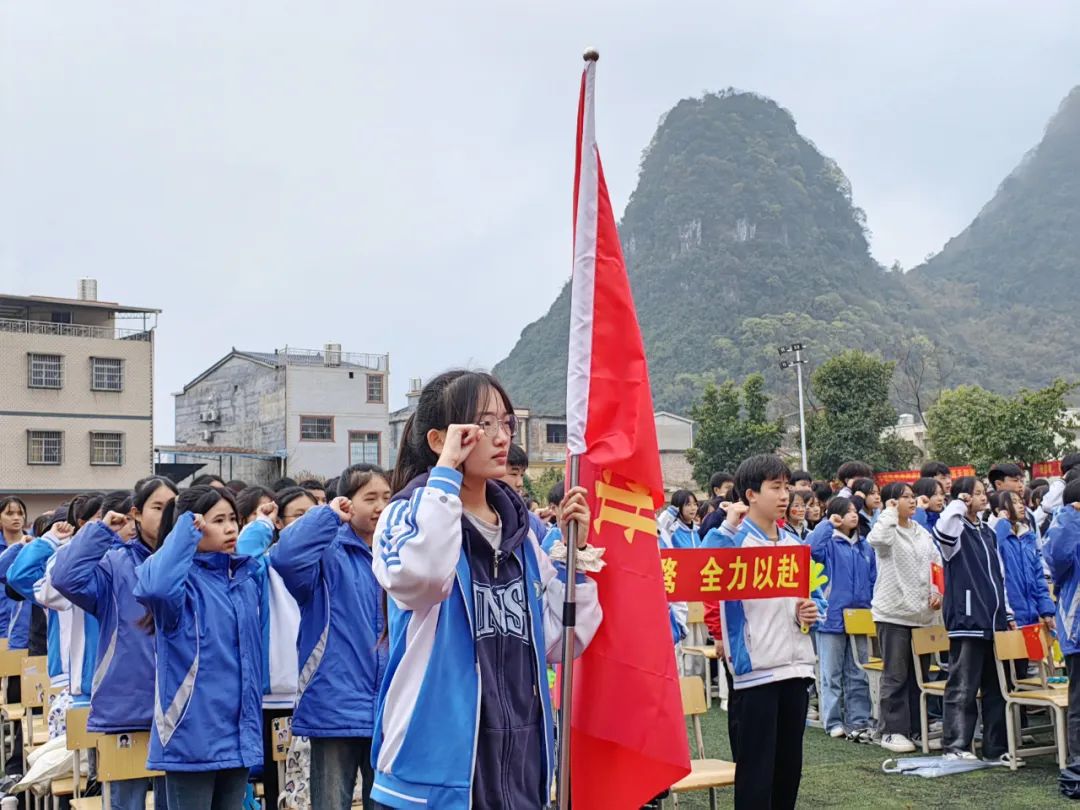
(71, 634)
(762, 637)
(96, 571)
(851, 568)
(327, 569)
(280, 618)
(1062, 554)
(1025, 584)
(426, 745)
(679, 535)
(208, 639)
(14, 613)
(76, 633)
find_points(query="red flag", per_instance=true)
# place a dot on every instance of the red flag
(628, 741)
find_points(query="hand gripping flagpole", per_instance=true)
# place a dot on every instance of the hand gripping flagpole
(577, 386)
(569, 620)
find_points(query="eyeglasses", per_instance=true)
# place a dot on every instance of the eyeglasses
(491, 426)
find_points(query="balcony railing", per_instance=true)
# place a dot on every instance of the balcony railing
(72, 330)
(313, 357)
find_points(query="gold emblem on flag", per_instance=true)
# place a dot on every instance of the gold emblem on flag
(631, 508)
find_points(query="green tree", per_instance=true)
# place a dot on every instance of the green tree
(730, 425)
(852, 391)
(970, 425)
(539, 487)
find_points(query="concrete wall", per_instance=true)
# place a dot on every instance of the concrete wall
(678, 472)
(330, 391)
(76, 411)
(249, 399)
(673, 433)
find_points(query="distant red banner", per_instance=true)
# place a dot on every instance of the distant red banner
(911, 476)
(712, 574)
(1046, 469)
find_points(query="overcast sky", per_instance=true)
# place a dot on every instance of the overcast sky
(396, 177)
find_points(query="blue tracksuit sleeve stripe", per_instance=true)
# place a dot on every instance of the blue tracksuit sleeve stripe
(256, 537)
(418, 543)
(29, 567)
(298, 553)
(160, 581)
(77, 572)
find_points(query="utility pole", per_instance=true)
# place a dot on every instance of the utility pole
(797, 348)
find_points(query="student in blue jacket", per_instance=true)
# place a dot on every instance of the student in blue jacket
(1062, 554)
(279, 612)
(204, 603)
(96, 571)
(1025, 584)
(464, 716)
(929, 501)
(851, 567)
(680, 532)
(325, 560)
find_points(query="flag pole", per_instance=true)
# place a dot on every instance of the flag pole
(576, 407)
(569, 620)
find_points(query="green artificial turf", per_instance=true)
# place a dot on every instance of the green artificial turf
(838, 773)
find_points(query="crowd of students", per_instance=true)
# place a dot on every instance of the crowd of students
(978, 557)
(405, 620)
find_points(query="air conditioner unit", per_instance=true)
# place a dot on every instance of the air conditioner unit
(208, 435)
(210, 415)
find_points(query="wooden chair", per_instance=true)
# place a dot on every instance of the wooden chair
(705, 774)
(1045, 667)
(698, 647)
(859, 623)
(78, 740)
(931, 640)
(120, 757)
(1009, 645)
(10, 713)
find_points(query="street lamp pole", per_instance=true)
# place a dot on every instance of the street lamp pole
(797, 348)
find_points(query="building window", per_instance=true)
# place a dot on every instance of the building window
(46, 371)
(556, 433)
(44, 447)
(61, 317)
(107, 448)
(375, 388)
(316, 428)
(363, 448)
(106, 374)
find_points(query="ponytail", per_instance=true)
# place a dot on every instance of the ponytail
(453, 397)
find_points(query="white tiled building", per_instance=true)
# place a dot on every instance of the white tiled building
(318, 411)
(76, 406)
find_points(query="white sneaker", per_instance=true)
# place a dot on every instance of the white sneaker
(836, 732)
(812, 714)
(953, 755)
(897, 743)
(936, 727)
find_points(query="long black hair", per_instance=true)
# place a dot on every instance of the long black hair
(453, 397)
(840, 506)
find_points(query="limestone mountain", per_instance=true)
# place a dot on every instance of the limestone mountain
(740, 237)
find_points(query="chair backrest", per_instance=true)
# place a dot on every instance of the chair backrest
(695, 613)
(929, 640)
(34, 681)
(693, 695)
(123, 756)
(282, 731)
(1009, 645)
(859, 622)
(11, 662)
(78, 738)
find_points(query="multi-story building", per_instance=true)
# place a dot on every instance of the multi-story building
(292, 410)
(77, 403)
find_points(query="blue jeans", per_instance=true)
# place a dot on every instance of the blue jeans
(842, 680)
(206, 790)
(130, 794)
(334, 763)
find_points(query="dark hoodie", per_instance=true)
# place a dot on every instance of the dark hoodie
(510, 750)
